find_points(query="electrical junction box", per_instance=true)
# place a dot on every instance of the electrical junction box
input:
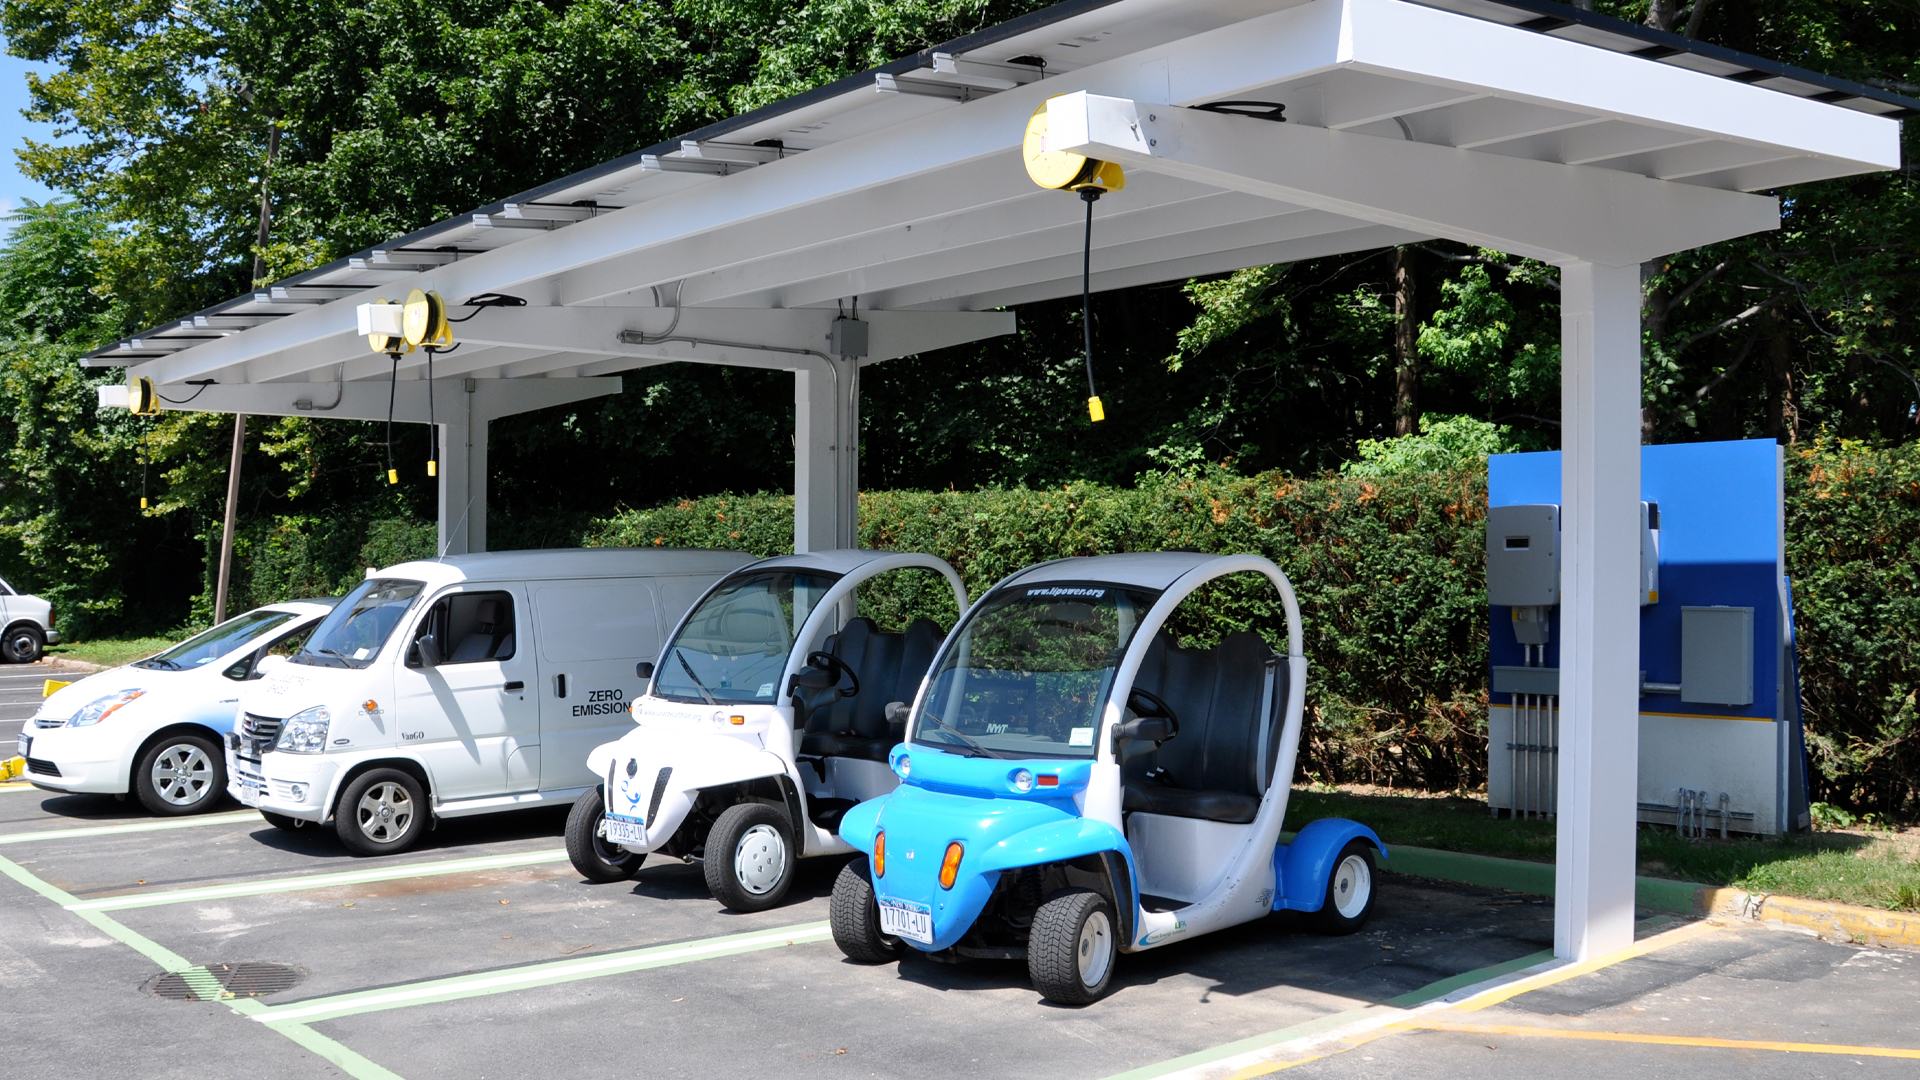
(1523, 555)
(1649, 553)
(1716, 655)
(847, 338)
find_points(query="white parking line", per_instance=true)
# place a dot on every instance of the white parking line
(309, 882)
(135, 827)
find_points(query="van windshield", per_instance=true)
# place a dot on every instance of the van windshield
(735, 644)
(211, 645)
(1029, 673)
(352, 634)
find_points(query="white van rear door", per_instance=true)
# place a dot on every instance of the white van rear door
(591, 635)
(473, 717)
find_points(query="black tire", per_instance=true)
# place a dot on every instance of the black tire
(1072, 947)
(283, 822)
(23, 644)
(855, 917)
(180, 774)
(382, 812)
(750, 856)
(1350, 892)
(589, 852)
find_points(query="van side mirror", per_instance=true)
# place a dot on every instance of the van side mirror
(425, 652)
(644, 669)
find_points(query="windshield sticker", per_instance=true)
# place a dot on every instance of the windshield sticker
(766, 690)
(1067, 590)
(604, 703)
(1080, 736)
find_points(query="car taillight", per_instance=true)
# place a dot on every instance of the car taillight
(950, 866)
(51, 610)
(879, 854)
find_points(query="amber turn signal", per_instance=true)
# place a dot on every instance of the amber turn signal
(950, 866)
(879, 854)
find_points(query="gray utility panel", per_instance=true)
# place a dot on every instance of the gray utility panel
(1523, 555)
(1716, 655)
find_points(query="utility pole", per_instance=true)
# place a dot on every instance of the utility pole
(225, 577)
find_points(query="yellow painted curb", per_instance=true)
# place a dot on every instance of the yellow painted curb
(1844, 922)
(13, 768)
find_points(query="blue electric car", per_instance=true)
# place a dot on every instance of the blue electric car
(1077, 784)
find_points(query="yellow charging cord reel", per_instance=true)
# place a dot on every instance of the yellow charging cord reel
(1062, 170)
(397, 329)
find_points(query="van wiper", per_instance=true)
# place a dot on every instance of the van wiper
(697, 684)
(978, 750)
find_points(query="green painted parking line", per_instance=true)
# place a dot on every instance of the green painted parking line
(535, 975)
(135, 827)
(309, 882)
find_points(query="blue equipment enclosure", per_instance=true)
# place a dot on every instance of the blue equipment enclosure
(1721, 745)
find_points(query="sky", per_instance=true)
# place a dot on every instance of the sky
(14, 131)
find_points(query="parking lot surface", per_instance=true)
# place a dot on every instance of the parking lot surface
(483, 954)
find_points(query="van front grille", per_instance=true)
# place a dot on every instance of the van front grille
(258, 733)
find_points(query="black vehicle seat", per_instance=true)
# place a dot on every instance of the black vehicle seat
(1209, 770)
(490, 638)
(889, 667)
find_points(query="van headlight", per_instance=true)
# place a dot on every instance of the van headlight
(95, 711)
(305, 732)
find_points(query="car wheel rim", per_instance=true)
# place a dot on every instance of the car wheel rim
(606, 850)
(760, 859)
(385, 812)
(1352, 885)
(182, 775)
(1094, 951)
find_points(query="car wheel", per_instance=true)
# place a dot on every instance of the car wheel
(749, 857)
(1349, 900)
(283, 822)
(23, 644)
(854, 915)
(382, 812)
(1072, 946)
(587, 846)
(180, 774)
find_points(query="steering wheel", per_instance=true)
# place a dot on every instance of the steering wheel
(838, 668)
(1154, 706)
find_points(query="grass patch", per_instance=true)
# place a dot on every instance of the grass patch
(109, 652)
(1878, 868)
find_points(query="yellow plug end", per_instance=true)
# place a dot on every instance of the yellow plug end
(433, 468)
(143, 502)
(1095, 409)
(393, 476)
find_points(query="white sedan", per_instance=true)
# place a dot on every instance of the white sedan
(156, 727)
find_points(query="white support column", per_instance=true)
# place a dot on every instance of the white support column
(825, 455)
(1599, 608)
(463, 478)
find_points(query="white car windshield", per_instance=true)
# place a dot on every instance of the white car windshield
(1029, 673)
(352, 634)
(211, 645)
(735, 644)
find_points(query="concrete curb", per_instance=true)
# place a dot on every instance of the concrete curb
(1843, 922)
(63, 664)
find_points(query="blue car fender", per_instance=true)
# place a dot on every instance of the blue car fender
(1055, 841)
(1302, 868)
(858, 825)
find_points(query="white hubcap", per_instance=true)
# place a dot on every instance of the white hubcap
(385, 811)
(760, 859)
(1094, 952)
(1352, 885)
(182, 774)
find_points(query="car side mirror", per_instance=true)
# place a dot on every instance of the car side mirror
(644, 669)
(425, 652)
(268, 663)
(897, 712)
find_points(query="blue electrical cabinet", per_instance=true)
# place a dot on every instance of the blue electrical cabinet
(1721, 744)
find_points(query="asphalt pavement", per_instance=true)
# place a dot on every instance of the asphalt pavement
(21, 687)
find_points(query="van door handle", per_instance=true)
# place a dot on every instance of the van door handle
(515, 685)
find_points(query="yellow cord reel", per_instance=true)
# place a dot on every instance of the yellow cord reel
(423, 319)
(1061, 170)
(142, 398)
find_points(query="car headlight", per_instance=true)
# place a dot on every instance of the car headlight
(99, 709)
(305, 732)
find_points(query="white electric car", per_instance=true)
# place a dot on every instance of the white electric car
(765, 720)
(467, 685)
(155, 726)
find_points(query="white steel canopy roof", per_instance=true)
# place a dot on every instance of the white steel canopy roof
(1517, 124)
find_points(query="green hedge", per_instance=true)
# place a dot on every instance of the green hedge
(1391, 583)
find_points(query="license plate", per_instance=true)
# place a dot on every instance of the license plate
(26, 744)
(906, 919)
(625, 830)
(249, 794)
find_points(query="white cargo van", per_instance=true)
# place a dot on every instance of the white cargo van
(459, 686)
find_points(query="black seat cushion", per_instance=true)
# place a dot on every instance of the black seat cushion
(889, 667)
(1214, 768)
(1154, 798)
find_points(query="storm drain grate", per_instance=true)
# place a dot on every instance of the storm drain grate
(214, 982)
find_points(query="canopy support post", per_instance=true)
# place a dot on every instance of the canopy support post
(463, 478)
(1599, 609)
(826, 455)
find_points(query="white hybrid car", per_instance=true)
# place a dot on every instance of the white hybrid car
(155, 727)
